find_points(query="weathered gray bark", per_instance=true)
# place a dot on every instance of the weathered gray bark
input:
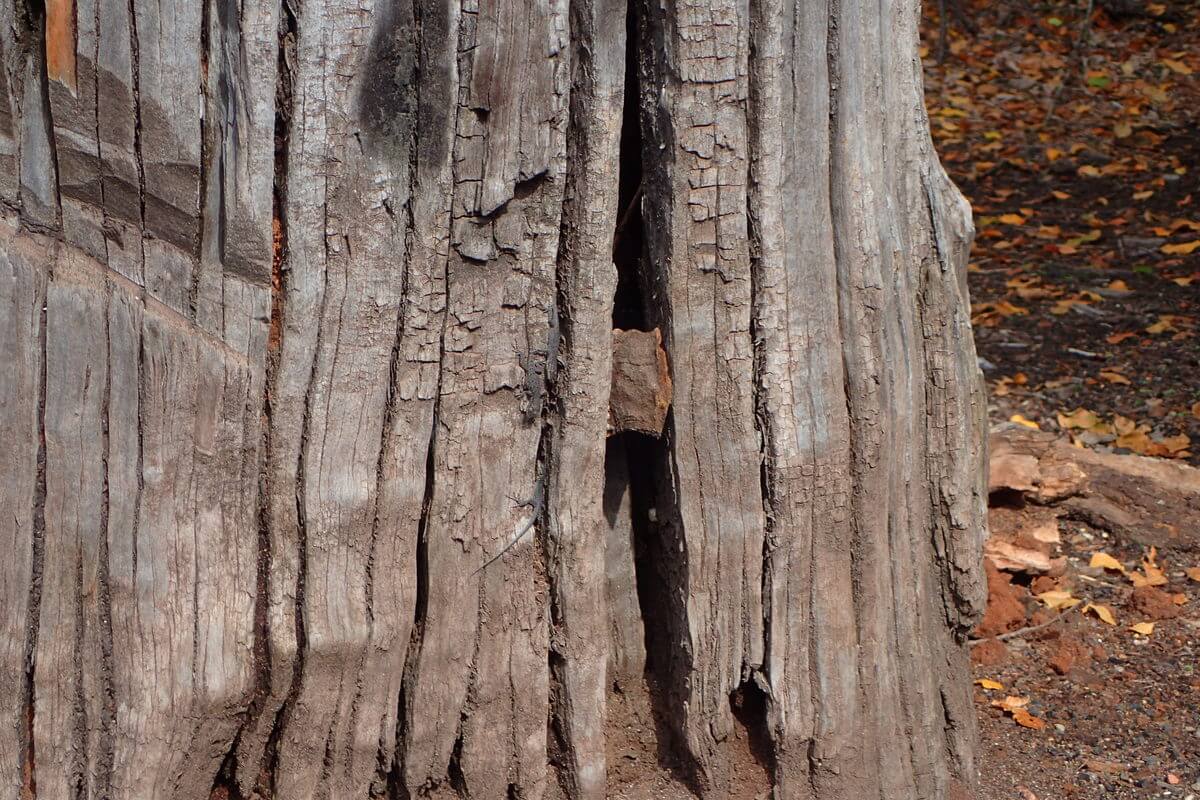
(299, 300)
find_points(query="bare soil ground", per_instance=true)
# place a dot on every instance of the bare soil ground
(1076, 141)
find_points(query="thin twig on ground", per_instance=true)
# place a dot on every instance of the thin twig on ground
(1004, 637)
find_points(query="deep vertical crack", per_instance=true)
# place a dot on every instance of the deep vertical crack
(33, 605)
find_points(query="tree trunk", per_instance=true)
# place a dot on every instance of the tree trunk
(299, 302)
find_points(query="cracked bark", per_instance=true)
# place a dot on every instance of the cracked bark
(278, 375)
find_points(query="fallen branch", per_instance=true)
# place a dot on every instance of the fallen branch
(1004, 637)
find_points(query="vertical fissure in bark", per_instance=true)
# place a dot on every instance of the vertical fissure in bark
(385, 762)
(79, 716)
(748, 703)
(33, 606)
(629, 250)
(209, 128)
(105, 756)
(104, 216)
(762, 736)
(279, 253)
(138, 156)
(659, 552)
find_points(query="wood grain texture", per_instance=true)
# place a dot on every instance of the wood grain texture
(307, 316)
(22, 292)
(695, 107)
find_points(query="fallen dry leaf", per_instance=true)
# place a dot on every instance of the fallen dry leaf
(1020, 420)
(1103, 560)
(1103, 612)
(1193, 573)
(1027, 720)
(1079, 418)
(1010, 702)
(1056, 599)
(1143, 628)
(988, 683)
(1114, 377)
(1151, 574)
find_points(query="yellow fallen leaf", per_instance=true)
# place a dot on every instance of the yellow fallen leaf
(1020, 420)
(1146, 195)
(1103, 560)
(1184, 249)
(1011, 219)
(1103, 612)
(1176, 66)
(988, 683)
(1056, 599)
(1144, 628)
(1165, 323)
(1139, 580)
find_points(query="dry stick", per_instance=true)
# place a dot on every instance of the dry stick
(1004, 637)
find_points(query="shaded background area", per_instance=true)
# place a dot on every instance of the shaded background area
(1073, 129)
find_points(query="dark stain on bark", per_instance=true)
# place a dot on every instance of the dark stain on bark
(387, 100)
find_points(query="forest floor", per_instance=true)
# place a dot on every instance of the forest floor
(1077, 142)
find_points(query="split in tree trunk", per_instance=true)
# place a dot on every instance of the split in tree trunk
(307, 318)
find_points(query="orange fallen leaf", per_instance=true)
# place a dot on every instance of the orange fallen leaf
(1027, 720)
(1114, 377)
(1142, 628)
(1117, 338)
(1193, 573)
(1184, 249)
(989, 684)
(1020, 420)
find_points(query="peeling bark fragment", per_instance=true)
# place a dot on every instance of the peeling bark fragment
(641, 383)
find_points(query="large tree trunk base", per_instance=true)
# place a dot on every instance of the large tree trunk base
(310, 481)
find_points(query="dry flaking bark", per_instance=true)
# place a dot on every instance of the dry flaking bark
(307, 314)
